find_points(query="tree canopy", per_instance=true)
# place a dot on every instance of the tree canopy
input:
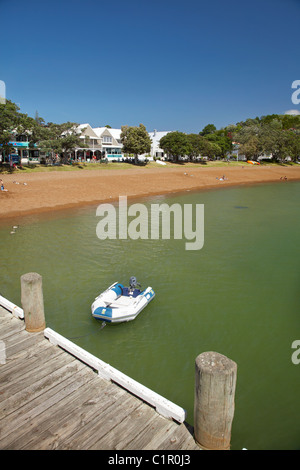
(274, 134)
(13, 122)
(176, 143)
(61, 139)
(135, 140)
(212, 144)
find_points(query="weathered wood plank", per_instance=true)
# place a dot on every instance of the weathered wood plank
(23, 417)
(60, 421)
(174, 439)
(151, 434)
(51, 400)
(36, 434)
(120, 436)
(100, 424)
(36, 394)
(32, 357)
(36, 379)
(10, 326)
(69, 433)
(20, 342)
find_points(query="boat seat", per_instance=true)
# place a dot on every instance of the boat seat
(124, 301)
(136, 292)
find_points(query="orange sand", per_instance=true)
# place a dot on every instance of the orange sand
(50, 191)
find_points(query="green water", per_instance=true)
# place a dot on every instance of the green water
(239, 295)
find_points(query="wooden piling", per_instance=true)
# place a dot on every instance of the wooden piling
(33, 302)
(215, 381)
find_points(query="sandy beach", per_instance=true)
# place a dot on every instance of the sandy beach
(49, 191)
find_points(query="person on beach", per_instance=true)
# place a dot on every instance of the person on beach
(2, 186)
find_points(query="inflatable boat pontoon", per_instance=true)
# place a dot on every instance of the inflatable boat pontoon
(121, 304)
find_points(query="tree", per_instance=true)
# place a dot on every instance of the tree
(221, 139)
(276, 134)
(250, 148)
(198, 145)
(135, 140)
(201, 146)
(62, 139)
(293, 137)
(209, 129)
(213, 150)
(176, 144)
(13, 122)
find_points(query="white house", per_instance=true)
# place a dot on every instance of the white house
(155, 137)
(89, 137)
(107, 142)
(111, 142)
(91, 142)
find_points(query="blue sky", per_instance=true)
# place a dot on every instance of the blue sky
(167, 64)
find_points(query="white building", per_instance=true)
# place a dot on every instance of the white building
(107, 142)
(91, 142)
(156, 151)
(110, 141)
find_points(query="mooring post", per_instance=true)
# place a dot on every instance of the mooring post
(215, 381)
(32, 302)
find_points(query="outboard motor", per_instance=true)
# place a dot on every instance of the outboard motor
(133, 283)
(133, 287)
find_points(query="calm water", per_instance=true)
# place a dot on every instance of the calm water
(239, 295)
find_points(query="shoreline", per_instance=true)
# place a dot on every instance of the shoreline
(36, 193)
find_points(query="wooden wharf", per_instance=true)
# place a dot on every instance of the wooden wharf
(51, 399)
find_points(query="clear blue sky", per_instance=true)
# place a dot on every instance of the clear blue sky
(167, 64)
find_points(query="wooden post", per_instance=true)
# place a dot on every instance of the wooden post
(32, 302)
(215, 381)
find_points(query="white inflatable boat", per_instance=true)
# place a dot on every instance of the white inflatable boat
(121, 304)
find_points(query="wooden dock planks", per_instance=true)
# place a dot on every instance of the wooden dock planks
(51, 400)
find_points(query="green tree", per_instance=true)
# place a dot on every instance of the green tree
(176, 144)
(221, 139)
(274, 133)
(250, 148)
(198, 145)
(209, 129)
(293, 137)
(201, 146)
(60, 139)
(135, 140)
(213, 150)
(13, 122)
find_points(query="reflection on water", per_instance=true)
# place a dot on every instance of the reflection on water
(239, 296)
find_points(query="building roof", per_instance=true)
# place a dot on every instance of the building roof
(116, 133)
(87, 130)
